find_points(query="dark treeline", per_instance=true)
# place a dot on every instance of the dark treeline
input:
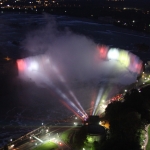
(127, 120)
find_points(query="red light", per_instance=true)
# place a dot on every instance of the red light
(21, 64)
(103, 52)
(136, 66)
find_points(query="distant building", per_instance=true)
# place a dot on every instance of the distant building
(92, 120)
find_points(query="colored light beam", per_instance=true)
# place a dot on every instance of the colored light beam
(21, 65)
(103, 50)
(124, 58)
(61, 78)
(113, 54)
(31, 68)
(63, 96)
(98, 99)
(103, 101)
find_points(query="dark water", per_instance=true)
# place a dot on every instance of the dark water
(15, 27)
(23, 105)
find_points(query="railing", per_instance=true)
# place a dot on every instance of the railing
(23, 138)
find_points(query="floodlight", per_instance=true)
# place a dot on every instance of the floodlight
(33, 66)
(113, 54)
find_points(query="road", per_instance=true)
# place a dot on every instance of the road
(51, 133)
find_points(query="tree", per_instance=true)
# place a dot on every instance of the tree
(80, 138)
(112, 110)
(126, 124)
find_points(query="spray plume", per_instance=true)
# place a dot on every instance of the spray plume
(61, 56)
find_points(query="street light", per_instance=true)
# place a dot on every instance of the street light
(12, 145)
(75, 123)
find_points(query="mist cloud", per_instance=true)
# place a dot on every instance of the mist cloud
(75, 55)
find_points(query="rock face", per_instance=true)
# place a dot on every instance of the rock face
(8, 67)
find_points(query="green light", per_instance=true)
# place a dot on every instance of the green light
(90, 139)
(124, 58)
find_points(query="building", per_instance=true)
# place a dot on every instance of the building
(93, 126)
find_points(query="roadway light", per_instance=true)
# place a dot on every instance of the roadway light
(103, 100)
(125, 90)
(11, 140)
(42, 123)
(75, 123)
(12, 145)
(76, 118)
